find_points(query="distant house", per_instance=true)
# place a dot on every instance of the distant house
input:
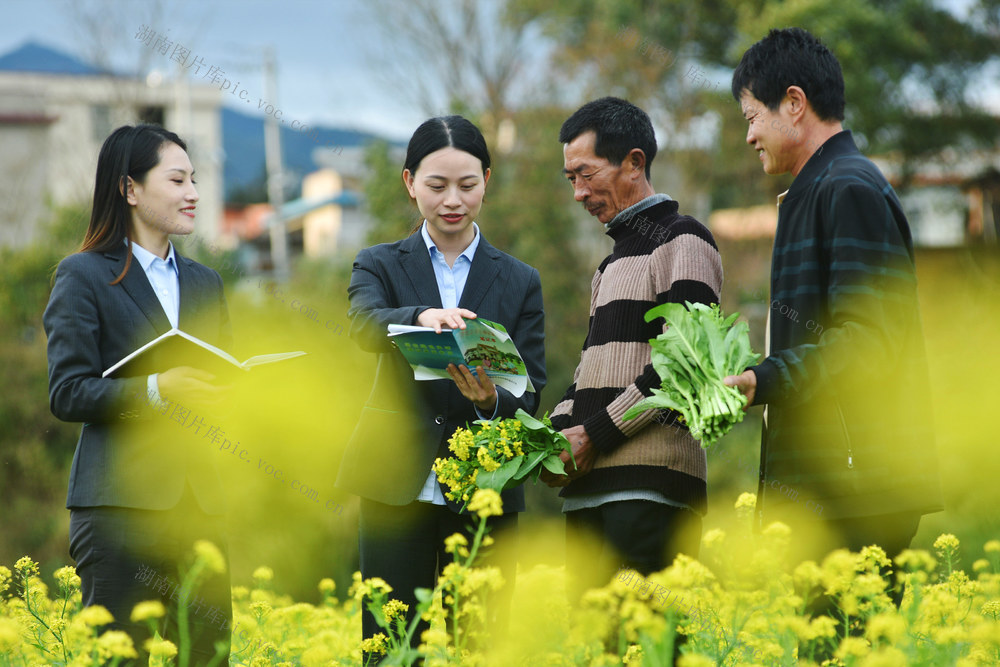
(56, 111)
(950, 200)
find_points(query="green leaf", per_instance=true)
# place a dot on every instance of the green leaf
(529, 463)
(496, 479)
(554, 464)
(667, 311)
(529, 421)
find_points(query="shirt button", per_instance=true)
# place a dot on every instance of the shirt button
(439, 420)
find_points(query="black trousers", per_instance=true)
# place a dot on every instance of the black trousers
(125, 556)
(639, 534)
(404, 545)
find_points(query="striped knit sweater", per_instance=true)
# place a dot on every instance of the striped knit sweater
(659, 256)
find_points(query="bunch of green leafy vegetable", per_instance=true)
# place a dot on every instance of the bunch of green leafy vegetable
(697, 350)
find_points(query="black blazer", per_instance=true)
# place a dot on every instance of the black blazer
(125, 457)
(406, 424)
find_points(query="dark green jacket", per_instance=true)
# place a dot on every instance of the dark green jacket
(848, 424)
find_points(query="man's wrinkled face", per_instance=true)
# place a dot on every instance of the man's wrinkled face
(601, 186)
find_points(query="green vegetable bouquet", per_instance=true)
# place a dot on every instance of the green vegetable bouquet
(500, 454)
(697, 350)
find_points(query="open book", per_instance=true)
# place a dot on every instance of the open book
(179, 348)
(480, 343)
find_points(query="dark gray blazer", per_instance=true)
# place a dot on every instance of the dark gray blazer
(406, 424)
(125, 457)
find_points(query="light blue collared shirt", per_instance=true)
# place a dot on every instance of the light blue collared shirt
(451, 283)
(162, 275)
(163, 278)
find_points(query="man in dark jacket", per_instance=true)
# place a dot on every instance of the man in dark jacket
(847, 452)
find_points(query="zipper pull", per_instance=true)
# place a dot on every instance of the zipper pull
(850, 461)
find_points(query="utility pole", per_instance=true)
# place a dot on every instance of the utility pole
(275, 171)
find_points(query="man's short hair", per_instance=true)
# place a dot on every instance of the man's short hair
(619, 127)
(792, 57)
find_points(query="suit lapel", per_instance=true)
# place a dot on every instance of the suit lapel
(415, 262)
(188, 291)
(137, 286)
(483, 272)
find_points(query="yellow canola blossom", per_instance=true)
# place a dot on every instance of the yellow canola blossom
(736, 607)
(486, 502)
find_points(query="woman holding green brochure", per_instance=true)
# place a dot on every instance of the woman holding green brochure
(441, 275)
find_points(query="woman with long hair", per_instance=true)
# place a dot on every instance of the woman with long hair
(443, 274)
(142, 488)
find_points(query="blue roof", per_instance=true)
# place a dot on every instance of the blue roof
(35, 57)
(299, 207)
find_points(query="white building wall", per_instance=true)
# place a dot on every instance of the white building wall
(55, 162)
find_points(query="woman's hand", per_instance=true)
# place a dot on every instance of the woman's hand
(477, 388)
(445, 318)
(189, 386)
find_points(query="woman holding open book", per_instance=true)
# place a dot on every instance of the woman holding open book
(443, 274)
(142, 489)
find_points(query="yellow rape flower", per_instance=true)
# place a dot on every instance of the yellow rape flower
(26, 567)
(5, 577)
(261, 609)
(913, 560)
(713, 538)
(992, 547)
(486, 503)
(375, 644)
(745, 505)
(263, 575)
(852, 647)
(366, 588)
(888, 626)
(95, 615)
(434, 637)
(874, 557)
(457, 544)
(633, 655)
(148, 609)
(946, 543)
(488, 464)
(394, 608)
(461, 442)
(67, 578)
(157, 647)
(208, 553)
(115, 644)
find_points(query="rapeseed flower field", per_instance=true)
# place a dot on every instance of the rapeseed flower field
(741, 603)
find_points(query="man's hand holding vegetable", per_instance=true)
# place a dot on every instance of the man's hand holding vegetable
(746, 382)
(584, 454)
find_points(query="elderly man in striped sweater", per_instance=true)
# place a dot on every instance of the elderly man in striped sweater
(640, 486)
